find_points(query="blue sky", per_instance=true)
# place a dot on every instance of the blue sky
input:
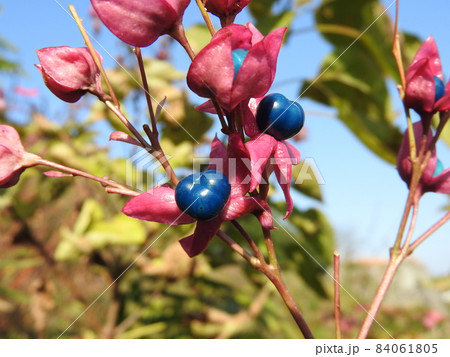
(364, 196)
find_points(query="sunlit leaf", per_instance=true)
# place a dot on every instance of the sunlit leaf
(269, 14)
(198, 36)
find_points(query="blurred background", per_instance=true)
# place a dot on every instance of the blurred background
(63, 241)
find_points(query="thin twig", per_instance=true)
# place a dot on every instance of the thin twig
(271, 250)
(412, 225)
(396, 49)
(249, 239)
(94, 55)
(428, 233)
(179, 35)
(206, 17)
(75, 172)
(272, 272)
(398, 255)
(337, 294)
(128, 125)
(159, 155)
(391, 269)
(138, 53)
(280, 285)
(254, 262)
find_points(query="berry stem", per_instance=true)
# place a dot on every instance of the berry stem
(152, 134)
(254, 262)
(249, 239)
(271, 250)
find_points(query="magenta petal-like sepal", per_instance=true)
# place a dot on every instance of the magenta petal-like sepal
(443, 103)
(420, 88)
(13, 157)
(140, 22)
(440, 183)
(69, 72)
(421, 93)
(204, 231)
(285, 156)
(428, 181)
(212, 72)
(157, 205)
(260, 150)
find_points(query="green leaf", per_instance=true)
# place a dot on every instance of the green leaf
(69, 247)
(99, 111)
(90, 212)
(305, 181)
(445, 134)
(315, 235)
(144, 331)
(120, 230)
(198, 37)
(353, 77)
(266, 19)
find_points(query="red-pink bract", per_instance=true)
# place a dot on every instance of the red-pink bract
(211, 74)
(420, 88)
(140, 22)
(428, 182)
(69, 72)
(13, 157)
(267, 153)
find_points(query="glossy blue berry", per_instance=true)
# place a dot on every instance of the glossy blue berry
(278, 116)
(238, 58)
(203, 195)
(439, 88)
(439, 168)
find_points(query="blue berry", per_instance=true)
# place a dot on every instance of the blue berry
(439, 168)
(238, 58)
(279, 117)
(203, 195)
(439, 88)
